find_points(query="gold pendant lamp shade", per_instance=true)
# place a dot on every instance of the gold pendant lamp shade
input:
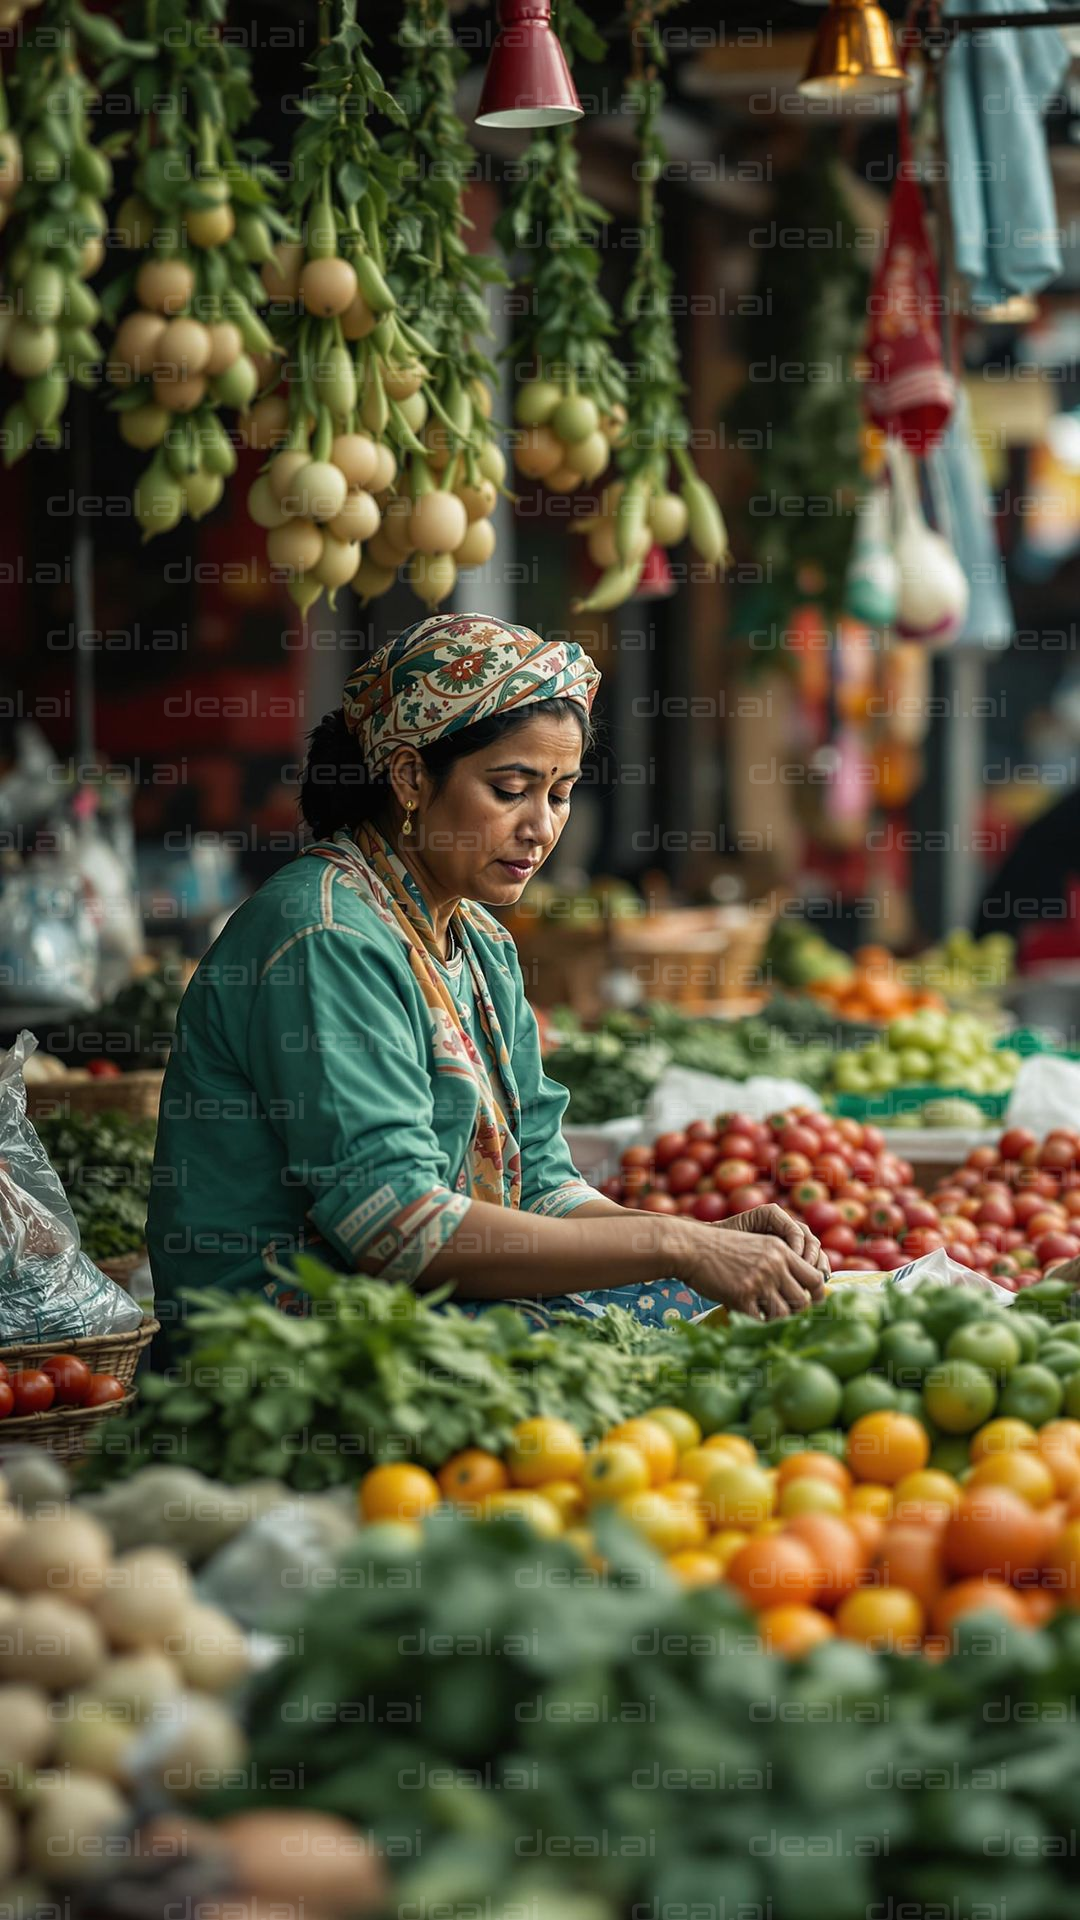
(854, 53)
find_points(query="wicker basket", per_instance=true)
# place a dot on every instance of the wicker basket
(137, 1094)
(115, 1353)
(65, 1432)
(696, 957)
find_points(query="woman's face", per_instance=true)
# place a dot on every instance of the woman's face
(501, 812)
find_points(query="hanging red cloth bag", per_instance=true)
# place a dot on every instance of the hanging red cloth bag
(909, 392)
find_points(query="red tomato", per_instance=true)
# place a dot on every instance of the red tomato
(658, 1183)
(637, 1157)
(655, 1201)
(735, 1146)
(7, 1399)
(821, 1215)
(832, 1168)
(701, 1130)
(1047, 1220)
(852, 1212)
(741, 1199)
(103, 1069)
(882, 1250)
(808, 1192)
(70, 1376)
(955, 1227)
(791, 1168)
(864, 1166)
(981, 1255)
(686, 1202)
(920, 1213)
(797, 1139)
(995, 1213)
(1013, 1141)
(683, 1174)
(104, 1387)
(851, 1131)
(733, 1173)
(1072, 1202)
(704, 1153)
(854, 1190)
(668, 1147)
(840, 1239)
(981, 1158)
(1056, 1246)
(1025, 1259)
(1004, 1267)
(872, 1138)
(33, 1390)
(993, 1237)
(1059, 1154)
(766, 1157)
(710, 1207)
(1025, 1205)
(920, 1240)
(887, 1219)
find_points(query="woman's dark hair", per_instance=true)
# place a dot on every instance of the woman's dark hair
(337, 791)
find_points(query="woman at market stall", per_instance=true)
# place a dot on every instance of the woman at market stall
(357, 1069)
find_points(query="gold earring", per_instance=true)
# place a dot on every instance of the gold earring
(408, 826)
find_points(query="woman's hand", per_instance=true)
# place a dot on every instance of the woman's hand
(756, 1273)
(771, 1219)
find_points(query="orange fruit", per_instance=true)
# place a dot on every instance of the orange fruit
(867, 1528)
(693, 1567)
(397, 1491)
(1039, 1605)
(772, 1569)
(668, 1524)
(1001, 1436)
(910, 1557)
(873, 1498)
(1062, 1572)
(1026, 1474)
(544, 1449)
(886, 1446)
(528, 1505)
(722, 1545)
(969, 1596)
(682, 1427)
(738, 1495)
(791, 1629)
(919, 1495)
(614, 1469)
(818, 1466)
(809, 1495)
(838, 1551)
(699, 1464)
(994, 1531)
(1063, 1460)
(653, 1442)
(733, 1443)
(1062, 1430)
(884, 1618)
(682, 1490)
(567, 1497)
(468, 1476)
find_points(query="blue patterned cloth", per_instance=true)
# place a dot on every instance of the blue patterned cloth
(655, 1306)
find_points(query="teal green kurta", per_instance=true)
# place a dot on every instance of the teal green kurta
(300, 1100)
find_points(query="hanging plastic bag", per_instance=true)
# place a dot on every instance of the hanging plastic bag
(49, 1289)
(909, 391)
(934, 591)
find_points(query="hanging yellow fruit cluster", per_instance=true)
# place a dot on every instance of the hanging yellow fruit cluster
(198, 221)
(53, 183)
(563, 439)
(380, 459)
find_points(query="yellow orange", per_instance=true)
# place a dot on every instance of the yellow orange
(871, 1497)
(734, 1443)
(693, 1567)
(469, 1476)
(810, 1495)
(397, 1492)
(738, 1495)
(614, 1469)
(1026, 1474)
(819, 1466)
(885, 1618)
(723, 1544)
(926, 1488)
(528, 1505)
(886, 1447)
(1006, 1435)
(567, 1497)
(544, 1449)
(682, 1427)
(668, 1524)
(792, 1628)
(653, 1442)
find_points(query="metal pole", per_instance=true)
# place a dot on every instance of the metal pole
(82, 582)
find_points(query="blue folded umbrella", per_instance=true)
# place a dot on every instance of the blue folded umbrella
(996, 86)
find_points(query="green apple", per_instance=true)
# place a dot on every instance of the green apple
(916, 1063)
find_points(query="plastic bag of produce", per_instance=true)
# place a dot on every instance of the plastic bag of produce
(935, 1266)
(683, 1094)
(49, 1290)
(1046, 1094)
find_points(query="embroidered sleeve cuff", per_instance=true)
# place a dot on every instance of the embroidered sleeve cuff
(393, 1240)
(564, 1199)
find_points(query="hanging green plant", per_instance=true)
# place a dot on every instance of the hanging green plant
(642, 506)
(440, 286)
(199, 219)
(53, 182)
(357, 393)
(570, 407)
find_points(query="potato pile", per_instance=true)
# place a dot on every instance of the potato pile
(109, 1668)
(563, 439)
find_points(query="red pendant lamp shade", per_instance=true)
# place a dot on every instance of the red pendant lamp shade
(527, 83)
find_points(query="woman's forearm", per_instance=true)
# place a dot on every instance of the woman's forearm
(497, 1253)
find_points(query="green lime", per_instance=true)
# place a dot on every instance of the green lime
(850, 1303)
(1032, 1393)
(765, 1428)
(866, 1393)
(909, 1400)
(958, 1396)
(1069, 1330)
(847, 1347)
(806, 1396)
(906, 1351)
(714, 1403)
(1061, 1356)
(989, 1343)
(953, 1309)
(1072, 1396)
(949, 1454)
(1029, 1330)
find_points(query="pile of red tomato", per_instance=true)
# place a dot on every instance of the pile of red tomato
(1011, 1211)
(63, 1380)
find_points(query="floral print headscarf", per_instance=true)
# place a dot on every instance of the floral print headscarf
(449, 671)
